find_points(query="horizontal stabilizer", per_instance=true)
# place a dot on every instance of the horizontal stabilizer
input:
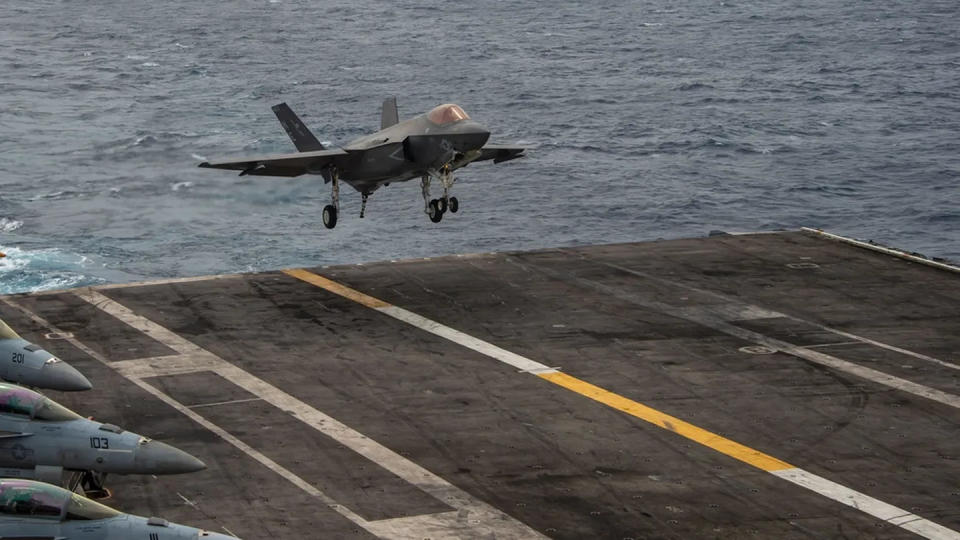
(302, 138)
(389, 115)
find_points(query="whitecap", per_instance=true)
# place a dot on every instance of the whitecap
(198, 157)
(149, 64)
(135, 57)
(40, 270)
(144, 140)
(52, 195)
(181, 185)
(9, 225)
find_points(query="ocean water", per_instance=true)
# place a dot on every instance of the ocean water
(645, 120)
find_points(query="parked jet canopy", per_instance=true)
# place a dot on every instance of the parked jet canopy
(30, 509)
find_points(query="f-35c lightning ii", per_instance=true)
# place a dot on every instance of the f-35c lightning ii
(429, 146)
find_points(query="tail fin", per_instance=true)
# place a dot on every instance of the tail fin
(299, 134)
(388, 115)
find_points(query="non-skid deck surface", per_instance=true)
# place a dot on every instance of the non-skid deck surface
(770, 385)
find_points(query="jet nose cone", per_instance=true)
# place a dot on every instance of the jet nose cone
(473, 134)
(64, 377)
(160, 458)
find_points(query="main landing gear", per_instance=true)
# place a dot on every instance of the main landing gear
(331, 210)
(436, 208)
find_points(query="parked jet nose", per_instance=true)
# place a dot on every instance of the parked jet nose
(155, 457)
(59, 375)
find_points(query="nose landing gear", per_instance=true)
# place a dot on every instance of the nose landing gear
(436, 208)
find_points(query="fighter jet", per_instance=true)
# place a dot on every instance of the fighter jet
(429, 146)
(38, 511)
(25, 363)
(41, 439)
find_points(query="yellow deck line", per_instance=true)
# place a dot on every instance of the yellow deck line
(660, 419)
(670, 423)
(336, 288)
(800, 477)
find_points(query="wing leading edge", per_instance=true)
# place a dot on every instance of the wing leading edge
(500, 152)
(280, 165)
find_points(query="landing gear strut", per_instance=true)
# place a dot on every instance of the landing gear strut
(92, 484)
(363, 205)
(330, 211)
(435, 208)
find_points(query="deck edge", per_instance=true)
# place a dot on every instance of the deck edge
(900, 254)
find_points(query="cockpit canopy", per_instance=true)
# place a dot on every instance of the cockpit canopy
(6, 332)
(21, 401)
(37, 500)
(447, 113)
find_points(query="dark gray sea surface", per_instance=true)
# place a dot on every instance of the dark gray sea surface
(645, 120)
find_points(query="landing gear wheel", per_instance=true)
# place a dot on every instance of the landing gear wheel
(329, 216)
(442, 202)
(435, 214)
(454, 204)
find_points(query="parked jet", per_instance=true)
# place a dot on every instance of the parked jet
(38, 511)
(25, 363)
(429, 146)
(41, 439)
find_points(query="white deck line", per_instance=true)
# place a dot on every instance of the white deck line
(512, 359)
(837, 492)
(875, 507)
(483, 520)
(704, 317)
(881, 249)
(750, 311)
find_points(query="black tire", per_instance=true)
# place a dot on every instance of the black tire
(435, 214)
(454, 205)
(329, 216)
(442, 203)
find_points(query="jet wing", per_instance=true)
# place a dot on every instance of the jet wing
(280, 165)
(500, 152)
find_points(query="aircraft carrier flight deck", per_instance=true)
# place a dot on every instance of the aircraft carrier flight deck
(778, 385)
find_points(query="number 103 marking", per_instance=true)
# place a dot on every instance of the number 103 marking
(100, 442)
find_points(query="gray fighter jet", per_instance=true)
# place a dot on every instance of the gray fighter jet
(429, 146)
(25, 363)
(37, 511)
(41, 439)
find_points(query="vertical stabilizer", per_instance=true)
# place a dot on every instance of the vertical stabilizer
(388, 115)
(298, 132)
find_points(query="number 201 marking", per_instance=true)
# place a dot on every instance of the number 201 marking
(100, 442)
(17, 358)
